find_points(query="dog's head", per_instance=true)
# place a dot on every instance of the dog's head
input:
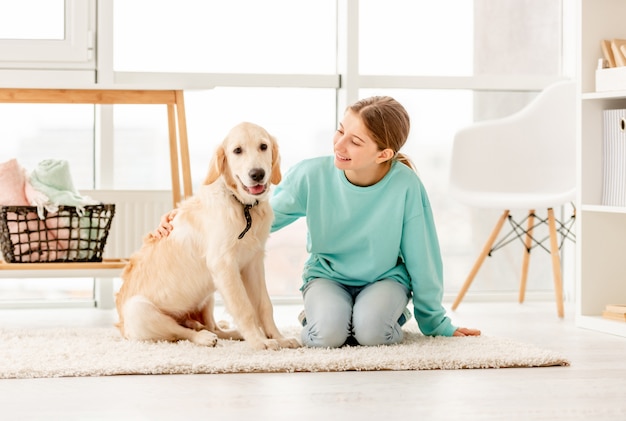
(248, 160)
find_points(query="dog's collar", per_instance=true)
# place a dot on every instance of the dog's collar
(246, 214)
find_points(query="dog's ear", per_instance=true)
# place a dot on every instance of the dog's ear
(276, 174)
(216, 167)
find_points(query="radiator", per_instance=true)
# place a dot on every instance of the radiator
(137, 212)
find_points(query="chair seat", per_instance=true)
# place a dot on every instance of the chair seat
(511, 201)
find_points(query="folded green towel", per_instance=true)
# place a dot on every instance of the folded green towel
(52, 178)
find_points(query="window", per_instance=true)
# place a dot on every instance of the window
(302, 120)
(32, 20)
(34, 132)
(46, 34)
(407, 37)
(465, 61)
(237, 36)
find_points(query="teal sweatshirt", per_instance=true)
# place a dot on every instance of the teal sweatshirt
(359, 235)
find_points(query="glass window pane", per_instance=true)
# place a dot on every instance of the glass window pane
(141, 137)
(238, 36)
(460, 37)
(141, 158)
(32, 19)
(47, 34)
(513, 37)
(303, 120)
(34, 132)
(416, 37)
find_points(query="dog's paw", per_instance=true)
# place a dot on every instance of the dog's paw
(289, 343)
(205, 338)
(271, 344)
(223, 324)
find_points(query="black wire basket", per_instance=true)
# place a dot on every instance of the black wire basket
(60, 237)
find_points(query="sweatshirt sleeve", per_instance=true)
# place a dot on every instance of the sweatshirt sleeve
(422, 256)
(285, 203)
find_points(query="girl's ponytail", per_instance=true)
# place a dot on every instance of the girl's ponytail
(400, 157)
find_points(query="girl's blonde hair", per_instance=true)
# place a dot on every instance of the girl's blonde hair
(388, 123)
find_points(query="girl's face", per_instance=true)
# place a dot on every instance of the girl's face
(357, 154)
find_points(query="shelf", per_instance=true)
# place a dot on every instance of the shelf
(105, 264)
(173, 100)
(603, 209)
(604, 95)
(600, 324)
(106, 268)
(176, 119)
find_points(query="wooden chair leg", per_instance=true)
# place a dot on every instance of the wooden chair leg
(526, 258)
(481, 258)
(556, 263)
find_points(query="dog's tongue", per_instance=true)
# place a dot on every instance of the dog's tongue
(258, 189)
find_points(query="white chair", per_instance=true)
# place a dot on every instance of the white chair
(524, 161)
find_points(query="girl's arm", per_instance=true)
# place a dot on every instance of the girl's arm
(420, 248)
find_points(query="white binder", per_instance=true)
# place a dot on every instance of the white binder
(614, 158)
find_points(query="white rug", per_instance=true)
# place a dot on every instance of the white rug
(35, 353)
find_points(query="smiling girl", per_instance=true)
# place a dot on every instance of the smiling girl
(371, 235)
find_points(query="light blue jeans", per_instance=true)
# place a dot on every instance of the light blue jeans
(336, 314)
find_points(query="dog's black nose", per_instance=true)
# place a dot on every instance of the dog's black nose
(257, 174)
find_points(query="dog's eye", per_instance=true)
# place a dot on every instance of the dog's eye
(263, 146)
(237, 151)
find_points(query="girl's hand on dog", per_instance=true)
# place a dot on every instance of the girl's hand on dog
(165, 227)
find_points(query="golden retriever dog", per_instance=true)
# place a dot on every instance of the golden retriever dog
(217, 245)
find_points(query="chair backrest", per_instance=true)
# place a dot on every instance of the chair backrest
(531, 151)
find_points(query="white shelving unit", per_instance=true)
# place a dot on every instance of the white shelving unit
(601, 230)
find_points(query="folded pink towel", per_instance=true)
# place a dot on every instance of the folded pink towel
(31, 240)
(12, 184)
